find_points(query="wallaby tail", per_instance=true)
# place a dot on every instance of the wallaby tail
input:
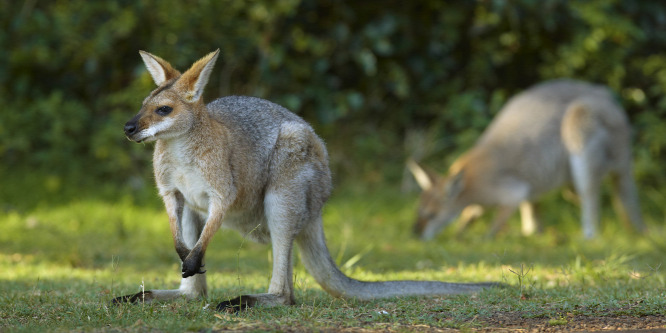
(319, 263)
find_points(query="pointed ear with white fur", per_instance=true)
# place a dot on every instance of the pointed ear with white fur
(159, 69)
(424, 178)
(194, 80)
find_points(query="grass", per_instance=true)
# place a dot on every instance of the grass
(64, 254)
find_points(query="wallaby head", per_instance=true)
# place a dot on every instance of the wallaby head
(440, 201)
(172, 109)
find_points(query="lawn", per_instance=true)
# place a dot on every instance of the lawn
(68, 247)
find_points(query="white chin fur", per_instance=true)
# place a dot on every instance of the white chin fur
(149, 139)
(151, 133)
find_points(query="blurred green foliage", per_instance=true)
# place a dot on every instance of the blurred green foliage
(365, 73)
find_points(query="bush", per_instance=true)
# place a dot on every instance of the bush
(365, 74)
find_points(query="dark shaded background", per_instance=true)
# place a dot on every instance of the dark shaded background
(379, 80)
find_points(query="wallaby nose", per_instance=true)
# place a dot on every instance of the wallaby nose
(130, 128)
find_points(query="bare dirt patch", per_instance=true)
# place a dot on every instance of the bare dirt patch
(501, 322)
(498, 322)
(516, 322)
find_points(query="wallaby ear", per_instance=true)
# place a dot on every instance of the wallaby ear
(194, 80)
(159, 69)
(425, 178)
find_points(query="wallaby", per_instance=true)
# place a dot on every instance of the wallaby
(554, 133)
(250, 165)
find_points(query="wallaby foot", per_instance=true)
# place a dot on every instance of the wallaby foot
(245, 302)
(190, 288)
(235, 305)
(143, 296)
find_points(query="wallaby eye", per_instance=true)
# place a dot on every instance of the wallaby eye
(164, 110)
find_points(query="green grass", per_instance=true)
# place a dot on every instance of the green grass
(65, 253)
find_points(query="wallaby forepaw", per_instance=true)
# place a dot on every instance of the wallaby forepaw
(235, 305)
(188, 273)
(192, 266)
(143, 296)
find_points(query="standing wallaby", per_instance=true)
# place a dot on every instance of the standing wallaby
(247, 164)
(556, 132)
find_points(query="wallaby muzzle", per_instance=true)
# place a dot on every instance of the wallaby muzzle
(132, 128)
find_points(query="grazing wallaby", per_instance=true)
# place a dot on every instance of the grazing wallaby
(556, 132)
(251, 165)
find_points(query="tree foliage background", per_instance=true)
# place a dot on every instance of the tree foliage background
(379, 80)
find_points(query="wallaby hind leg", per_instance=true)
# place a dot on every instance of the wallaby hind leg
(589, 143)
(283, 214)
(625, 198)
(588, 185)
(191, 287)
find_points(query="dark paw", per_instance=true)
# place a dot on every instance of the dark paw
(138, 297)
(235, 305)
(192, 265)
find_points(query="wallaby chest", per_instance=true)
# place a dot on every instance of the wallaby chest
(190, 182)
(177, 169)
